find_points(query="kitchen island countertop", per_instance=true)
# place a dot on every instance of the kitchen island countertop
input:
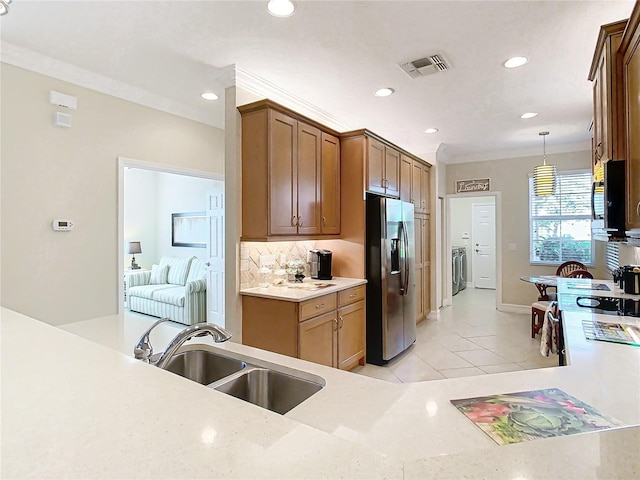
(79, 409)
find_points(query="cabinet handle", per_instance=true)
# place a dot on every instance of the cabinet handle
(351, 295)
(320, 306)
(638, 209)
(300, 221)
(336, 322)
(294, 221)
(324, 220)
(341, 322)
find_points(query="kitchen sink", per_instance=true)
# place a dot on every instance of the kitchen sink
(270, 389)
(246, 378)
(203, 366)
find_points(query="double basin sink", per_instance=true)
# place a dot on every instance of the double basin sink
(264, 386)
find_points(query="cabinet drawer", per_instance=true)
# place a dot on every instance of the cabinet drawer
(317, 306)
(350, 295)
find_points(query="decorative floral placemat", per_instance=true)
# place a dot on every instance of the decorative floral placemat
(523, 416)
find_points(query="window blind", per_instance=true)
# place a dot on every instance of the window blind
(612, 256)
(560, 224)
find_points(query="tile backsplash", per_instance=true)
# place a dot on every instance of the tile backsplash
(250, 253)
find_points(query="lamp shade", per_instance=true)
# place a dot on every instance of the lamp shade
(544, 179)
(134, 247)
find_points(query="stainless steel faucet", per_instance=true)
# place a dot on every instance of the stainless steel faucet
(144, 351)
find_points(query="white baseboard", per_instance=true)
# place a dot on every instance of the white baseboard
(511, 308)
(434, 315)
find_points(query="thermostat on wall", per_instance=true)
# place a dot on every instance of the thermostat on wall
(63, 225)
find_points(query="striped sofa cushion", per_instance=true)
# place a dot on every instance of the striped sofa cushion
(197, 271)
(178, 269)
(172, 296)
(147, 291)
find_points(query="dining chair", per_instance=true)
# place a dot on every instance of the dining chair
(538, 311)
(579, 274)
(567, 267)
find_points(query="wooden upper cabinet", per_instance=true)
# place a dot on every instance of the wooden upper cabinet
(308, 179)
(608, 100)
(375, 166)
(283, 170)
(406, 178)
(425, 192)
(290, 175)
(392, 171)
(383, 169)
(330, 185)
(630, 52)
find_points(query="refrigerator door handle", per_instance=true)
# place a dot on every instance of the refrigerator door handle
(405, 237)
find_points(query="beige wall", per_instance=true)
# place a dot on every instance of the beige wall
(51, 172)
(510, 176)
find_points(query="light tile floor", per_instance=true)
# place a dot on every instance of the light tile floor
(470, 338)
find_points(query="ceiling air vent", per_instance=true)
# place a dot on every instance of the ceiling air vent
(425, 66)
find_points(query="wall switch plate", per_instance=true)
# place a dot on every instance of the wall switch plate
(283, 259)
(267, 260)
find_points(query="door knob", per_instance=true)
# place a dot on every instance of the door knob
(208, 264)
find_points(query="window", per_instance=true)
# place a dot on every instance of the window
(560, 224)
(612, 256)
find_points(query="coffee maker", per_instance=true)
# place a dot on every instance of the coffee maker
(320, 264)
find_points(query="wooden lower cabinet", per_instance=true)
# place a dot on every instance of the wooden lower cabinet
(329, 330)
(317, 340)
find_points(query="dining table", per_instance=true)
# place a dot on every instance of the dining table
(542, 282)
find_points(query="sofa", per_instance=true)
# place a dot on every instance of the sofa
(175, 288)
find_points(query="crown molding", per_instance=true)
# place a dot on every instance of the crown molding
(265, 89)
(515, 153)
(36, 62)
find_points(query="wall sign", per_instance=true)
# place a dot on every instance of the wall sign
(477, 185)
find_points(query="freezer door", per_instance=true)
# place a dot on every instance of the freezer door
(393, 341)
(408, 274)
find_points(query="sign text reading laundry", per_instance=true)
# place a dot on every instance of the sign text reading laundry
(477, 185)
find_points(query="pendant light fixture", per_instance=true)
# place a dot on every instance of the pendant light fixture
(544, 176)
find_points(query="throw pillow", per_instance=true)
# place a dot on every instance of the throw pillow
(159, 274)
(197, 271)
(178, 269)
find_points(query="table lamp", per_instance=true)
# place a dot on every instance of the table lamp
(133, 248)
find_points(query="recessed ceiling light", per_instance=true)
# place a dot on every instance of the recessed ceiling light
(384, 92)
(529, 115)
(431, 130)
(209, 96)
(514, 62)
(281, 8)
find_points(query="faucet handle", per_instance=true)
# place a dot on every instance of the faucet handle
(143, 349)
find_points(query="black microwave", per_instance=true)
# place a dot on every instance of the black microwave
(608, 201)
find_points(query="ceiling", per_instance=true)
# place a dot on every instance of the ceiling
(333, 56)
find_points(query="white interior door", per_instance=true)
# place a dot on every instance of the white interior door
(484, 245)
(215, 262)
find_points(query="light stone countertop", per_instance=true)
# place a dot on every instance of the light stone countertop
(83, 410)
(294, 292)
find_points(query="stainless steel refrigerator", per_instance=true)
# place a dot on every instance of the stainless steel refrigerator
(390, 252)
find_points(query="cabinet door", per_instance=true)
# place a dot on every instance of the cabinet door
(416, 187)
(419, 272)
(283, 170)
(330, 181)
(392, 172)
(308, 185)
(317, 339)
(426, 188)
(406, 169)
(632, 84)
(351, 335)
(375, 166)
(426, 266)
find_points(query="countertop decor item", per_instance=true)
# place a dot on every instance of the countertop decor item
(133, 248)
(544, 176)
(523, 416)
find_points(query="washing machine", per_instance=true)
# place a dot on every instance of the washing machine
(462, 253)
(455, 270)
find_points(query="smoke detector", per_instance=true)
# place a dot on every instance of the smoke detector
(425, 66)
